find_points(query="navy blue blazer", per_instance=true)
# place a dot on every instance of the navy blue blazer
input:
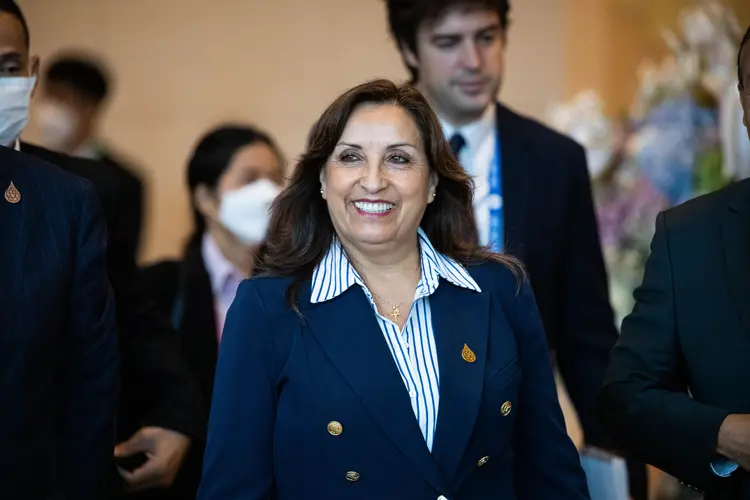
(281, 379)
(58, 339)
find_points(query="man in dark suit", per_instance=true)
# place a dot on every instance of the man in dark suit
(75, 89)
(58, 360)
(160, 410)
(532, 189)
(677, 391)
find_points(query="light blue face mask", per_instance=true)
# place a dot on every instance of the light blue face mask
(15, 96)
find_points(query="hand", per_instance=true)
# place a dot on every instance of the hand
(734, 439)
(165, 450)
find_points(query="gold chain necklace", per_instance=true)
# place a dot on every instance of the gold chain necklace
(395, 308)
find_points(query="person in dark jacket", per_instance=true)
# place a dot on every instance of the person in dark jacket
(676, 392)
(233, 175)
(75, 90)
(160, 414)
(532, 192)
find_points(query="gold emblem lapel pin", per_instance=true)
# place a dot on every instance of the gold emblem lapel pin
(468, 354)
(12, 195)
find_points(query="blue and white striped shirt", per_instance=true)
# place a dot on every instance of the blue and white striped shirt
(413, 348)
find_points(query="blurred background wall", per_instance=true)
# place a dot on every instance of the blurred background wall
(184, 65)
(606, 40)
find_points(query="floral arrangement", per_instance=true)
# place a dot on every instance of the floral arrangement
(669, 148)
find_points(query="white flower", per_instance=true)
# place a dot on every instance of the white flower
(698, 27)
(673, 41)
(688, 67)
(583, 118)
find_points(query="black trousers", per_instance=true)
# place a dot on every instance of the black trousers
(637, 479)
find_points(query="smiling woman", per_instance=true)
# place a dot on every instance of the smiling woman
(377, 148)
(378, 181)
(385, 354)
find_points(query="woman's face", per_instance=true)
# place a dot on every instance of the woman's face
(234, 205)
(377, 182)
(249, 163)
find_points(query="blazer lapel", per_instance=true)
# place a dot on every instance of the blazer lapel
(517, 180)
(460, 318)
(12, 229)
(735, 231)
(348, 332)
(198, 326)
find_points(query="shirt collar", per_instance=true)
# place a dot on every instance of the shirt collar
(90, 150)
(335, 274)
(220, 270)
(17, 145)
(476, 132)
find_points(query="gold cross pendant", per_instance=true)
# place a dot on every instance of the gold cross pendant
(395, 313)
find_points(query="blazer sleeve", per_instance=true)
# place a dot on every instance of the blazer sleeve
(168, 395)
(90, 373)
(129, 224)
(644, 398)
(238, 462)
(547, 462)
(587, 331)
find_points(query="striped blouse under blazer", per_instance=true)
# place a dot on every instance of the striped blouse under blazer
(413, 348)
(316, 403)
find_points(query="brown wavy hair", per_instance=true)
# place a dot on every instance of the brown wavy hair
(301, 230)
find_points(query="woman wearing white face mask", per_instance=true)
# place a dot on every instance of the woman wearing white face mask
(234, 174)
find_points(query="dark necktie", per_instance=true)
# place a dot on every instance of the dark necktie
(457, 143)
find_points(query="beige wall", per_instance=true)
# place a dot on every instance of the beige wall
(184, 65)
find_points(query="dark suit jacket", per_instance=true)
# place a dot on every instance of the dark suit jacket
(132, 195)
(120, 206)
(157, 388)
(58, 360)
(550, 225)
(182, 291)
(280, 380)
(681, 364)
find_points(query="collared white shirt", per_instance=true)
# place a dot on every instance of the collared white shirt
(224, 278)
(90, 149)
(413, 348)
(478, 157)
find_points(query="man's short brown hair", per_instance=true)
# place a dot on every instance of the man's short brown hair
(745, 41)
(406, 16)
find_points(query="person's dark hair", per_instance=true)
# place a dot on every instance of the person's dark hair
(406, 16)
(745, 41)
(81, 72)
(213, 155)
(12, 8)
(301, 230)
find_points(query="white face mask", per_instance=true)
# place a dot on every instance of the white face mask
(246, 211)
(57, 125)
(15, 96)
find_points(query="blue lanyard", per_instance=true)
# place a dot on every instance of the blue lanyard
(497, 237)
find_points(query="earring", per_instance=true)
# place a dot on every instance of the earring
(321, 192)
(433, 195)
